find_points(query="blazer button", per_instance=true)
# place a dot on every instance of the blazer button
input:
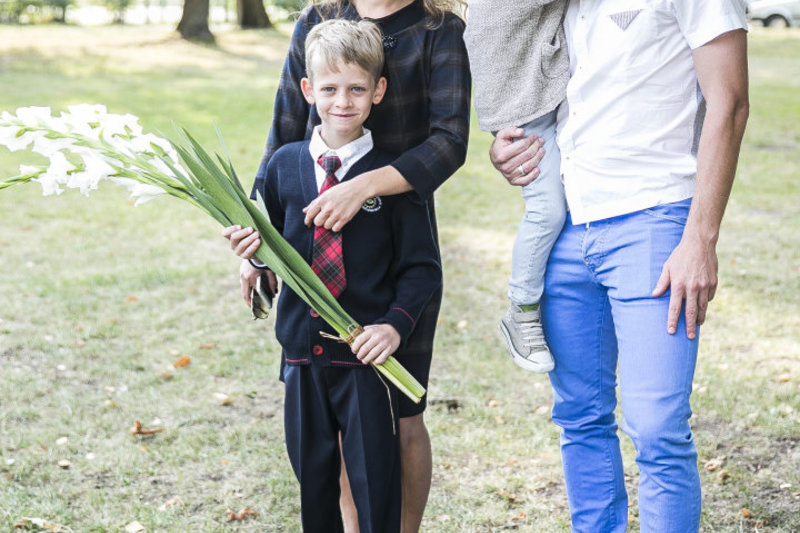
(317, 349)
(313, 314)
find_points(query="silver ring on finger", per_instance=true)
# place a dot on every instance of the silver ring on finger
(521, 170)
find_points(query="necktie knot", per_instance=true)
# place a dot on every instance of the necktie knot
(329, 163)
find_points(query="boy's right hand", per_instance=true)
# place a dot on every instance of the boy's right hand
(516, 157)
(244, 242)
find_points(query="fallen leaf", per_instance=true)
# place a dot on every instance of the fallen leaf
(40, 522)
(521, 516)
(542, 410)
(208, 346)
(715, 463)
(131, 299)
(223, 398)
(183, 361)
(241, 515)
(493, 403)
(79, 343)
(784, 378)
(169, 503)
(137, 429)
(134, 527)
(499, 420)
(723, 476)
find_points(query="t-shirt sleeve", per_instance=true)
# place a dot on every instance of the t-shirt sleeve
(702, 21)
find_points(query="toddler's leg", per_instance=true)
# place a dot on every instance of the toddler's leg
(545, 212)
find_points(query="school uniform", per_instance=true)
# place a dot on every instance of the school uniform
(392, 269)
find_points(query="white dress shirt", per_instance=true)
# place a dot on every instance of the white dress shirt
(629, 127)
(348, 154)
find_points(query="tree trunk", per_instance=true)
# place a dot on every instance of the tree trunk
(194, 22)
(251, 14)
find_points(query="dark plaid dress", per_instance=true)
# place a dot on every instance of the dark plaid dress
(423, 118)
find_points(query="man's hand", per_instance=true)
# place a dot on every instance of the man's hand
(376, 343)
(691, 275)
(334, 208)
(516, 157)
(691, 271)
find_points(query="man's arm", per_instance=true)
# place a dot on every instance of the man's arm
(691, 271)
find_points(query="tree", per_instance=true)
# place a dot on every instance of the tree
(251, 14)
(194, 21)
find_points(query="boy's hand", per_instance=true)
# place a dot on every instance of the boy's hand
(244, 242)
(376, 344)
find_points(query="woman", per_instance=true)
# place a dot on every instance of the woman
(424, 119)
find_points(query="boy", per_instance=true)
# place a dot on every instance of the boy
(520, 78)
(383, 267)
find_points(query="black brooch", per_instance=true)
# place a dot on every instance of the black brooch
(389, 42)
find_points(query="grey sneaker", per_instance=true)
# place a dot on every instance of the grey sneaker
(525, 338)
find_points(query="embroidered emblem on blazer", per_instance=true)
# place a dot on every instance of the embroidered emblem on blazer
(623, 19)
(372, 204)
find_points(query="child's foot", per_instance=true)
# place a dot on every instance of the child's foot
(525, 338)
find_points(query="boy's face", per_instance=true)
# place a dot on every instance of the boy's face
(343, 99)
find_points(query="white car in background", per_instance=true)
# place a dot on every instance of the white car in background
(775, 13)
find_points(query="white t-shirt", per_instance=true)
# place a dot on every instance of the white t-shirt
(629, 127)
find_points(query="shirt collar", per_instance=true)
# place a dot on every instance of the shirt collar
(348, 154)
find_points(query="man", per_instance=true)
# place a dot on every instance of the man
(649, 134)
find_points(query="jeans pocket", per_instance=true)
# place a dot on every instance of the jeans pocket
(677, 212)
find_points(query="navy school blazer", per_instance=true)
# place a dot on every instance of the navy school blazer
(390, 255)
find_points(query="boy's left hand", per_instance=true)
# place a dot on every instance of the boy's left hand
(376, 344)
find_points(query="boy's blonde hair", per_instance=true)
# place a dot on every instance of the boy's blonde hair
(336, 40)
(435, 9)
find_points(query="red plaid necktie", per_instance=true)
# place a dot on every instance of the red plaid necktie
(326, 258)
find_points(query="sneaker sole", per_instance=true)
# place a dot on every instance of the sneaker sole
(525, 364)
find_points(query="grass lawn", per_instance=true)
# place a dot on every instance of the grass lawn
(98, 300)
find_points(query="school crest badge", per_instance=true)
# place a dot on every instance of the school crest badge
(372, 204)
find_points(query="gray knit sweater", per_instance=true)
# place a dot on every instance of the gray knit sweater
(518, 57)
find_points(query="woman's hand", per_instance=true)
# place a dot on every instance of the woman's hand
(516, 157)
(334, 208)
(376, 343)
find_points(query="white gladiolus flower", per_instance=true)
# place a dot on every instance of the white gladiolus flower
(55, 175)
(46, 146)
(34, 116)
(143, 192)
(96, 168)
(26, 170)
(23, 141)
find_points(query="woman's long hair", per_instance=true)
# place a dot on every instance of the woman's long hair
(436, 9)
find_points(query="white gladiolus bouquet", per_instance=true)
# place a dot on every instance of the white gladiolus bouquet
(87, 145)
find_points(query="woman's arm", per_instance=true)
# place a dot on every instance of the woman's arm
(422, 168)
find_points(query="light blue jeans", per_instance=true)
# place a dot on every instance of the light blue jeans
(545, 212)
(599, 317)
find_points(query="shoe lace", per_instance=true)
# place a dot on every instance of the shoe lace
(531, 334)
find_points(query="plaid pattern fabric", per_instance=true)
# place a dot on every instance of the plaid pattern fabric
(327, 260)
(424, 116)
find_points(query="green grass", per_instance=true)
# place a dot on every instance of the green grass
(97, 299)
